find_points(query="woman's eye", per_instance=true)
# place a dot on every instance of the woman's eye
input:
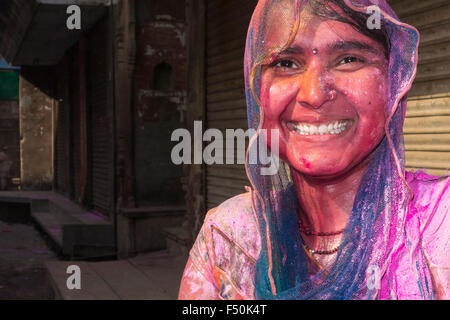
(285, 64)
(350, 63)
(350, 59)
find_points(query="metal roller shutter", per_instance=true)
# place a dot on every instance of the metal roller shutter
(9, 118)
(62, 130)
(101, 120)
(9, 135)
(427, 125)
(227, 22)
(75, 119)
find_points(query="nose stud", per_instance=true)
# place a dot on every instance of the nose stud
(332, 95)
(315, 51)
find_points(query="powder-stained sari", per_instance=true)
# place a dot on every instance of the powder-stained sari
(396, 244)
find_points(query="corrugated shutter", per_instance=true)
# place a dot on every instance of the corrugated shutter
(100, 113)
(427, 125)
(62, 130)
(9, 134)
(227, 22)
(75, 119)
(9, 118)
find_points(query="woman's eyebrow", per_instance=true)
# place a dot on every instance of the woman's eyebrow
(335, 46)
(352, 45)
(293, 50)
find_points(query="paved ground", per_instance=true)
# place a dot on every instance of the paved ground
(149, 276)
(22, 255)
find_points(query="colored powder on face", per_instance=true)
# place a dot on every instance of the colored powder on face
(306, 163)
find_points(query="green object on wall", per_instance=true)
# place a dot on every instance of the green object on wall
(9, 85)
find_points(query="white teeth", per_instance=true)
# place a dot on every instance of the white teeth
(335, 128)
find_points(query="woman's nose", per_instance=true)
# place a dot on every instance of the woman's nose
(312, 92)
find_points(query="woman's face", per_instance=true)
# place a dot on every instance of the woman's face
(327, 95)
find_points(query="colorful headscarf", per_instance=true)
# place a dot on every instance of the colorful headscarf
(375, 229)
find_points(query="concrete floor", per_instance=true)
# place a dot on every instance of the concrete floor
(149, 276)
(22, 255)
(29, 269)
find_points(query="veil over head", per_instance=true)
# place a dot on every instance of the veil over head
(375, 230)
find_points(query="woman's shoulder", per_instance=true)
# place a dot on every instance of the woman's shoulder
(431, 198)
(235, 221)
(228, 246)
(431, 193)
(432, 205)
(420, 177)
(240, 202)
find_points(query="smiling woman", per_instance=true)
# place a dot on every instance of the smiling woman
(341, 219)
(328, 132)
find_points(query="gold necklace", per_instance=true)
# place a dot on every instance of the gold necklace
(307, 231)
(328, 252)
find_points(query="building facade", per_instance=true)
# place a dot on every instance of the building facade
(105, 101)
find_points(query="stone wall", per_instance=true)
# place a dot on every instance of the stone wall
(36, 128)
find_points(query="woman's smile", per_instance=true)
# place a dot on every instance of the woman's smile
(323, 130)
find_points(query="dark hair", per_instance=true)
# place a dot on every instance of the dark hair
(357, 20)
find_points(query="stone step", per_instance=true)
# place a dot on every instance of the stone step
(143, 226)
(74, 232)
(93, 287)
(52, 224)
(177, 240)
(152, 276)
